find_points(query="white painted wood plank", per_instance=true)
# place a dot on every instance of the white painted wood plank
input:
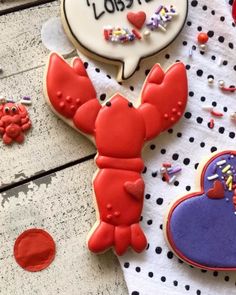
(20, 34)
(9, 4)
(49, 144)
(62, 205)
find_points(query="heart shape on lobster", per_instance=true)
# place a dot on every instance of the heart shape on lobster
(119, 129)
(200, 227)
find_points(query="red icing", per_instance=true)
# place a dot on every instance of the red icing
(120, 131)
(234, 10)
(14, 121)
(137, 18)
(34, 250)
(217, 192)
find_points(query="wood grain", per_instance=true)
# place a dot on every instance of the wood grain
(9, 6)
(61, 204)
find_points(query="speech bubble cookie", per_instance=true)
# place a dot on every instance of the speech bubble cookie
(123, 32)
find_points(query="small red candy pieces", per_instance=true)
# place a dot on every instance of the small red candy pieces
(202, 38)
(34, 250)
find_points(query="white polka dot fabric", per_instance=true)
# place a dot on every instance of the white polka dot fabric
(157, 270)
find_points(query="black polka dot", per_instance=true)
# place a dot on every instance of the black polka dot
(225, 109)
(170, 131)
(179, 134)
(189, 23)
(103, 96)
(215, 273)
(176, 183)
(187, 67)
(158, 250)
(108, 76)
(199, 120)
(108, 104)
(188, 188)
(232, 135)
(175, 157)
(203, 98)
(163, 279)
(186, 161)
(167, 56)
(221, 130)
(147, 196)
(226, 278)
(231, 45)
(97, 70)
(187, 287)
(225, 62)
(126, 265)
(175, 283)
(214, 103)
(210, 34)
(191, 139)
(198, 292)
(159, 201)
(131, 88)
(85, 65)
(213, 12)
(150, 274)
(147, 72)
(154, 174)
(213, 57)
(221, 39)
(163, 151)
(170, 255)
(196, 166)
(204, 7)
(180, 261)
(135, 293)
(194, 3)
(149, 222)
(185, 43)
(161, 226)
(191, 93)
(199, 73)
(188, 115)
(202, 144)
(138, 269)
(213, 149)
(222, 18)
(199, 28)
(144, 170)
(152, 146)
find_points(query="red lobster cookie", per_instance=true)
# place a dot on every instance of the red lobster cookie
(119, 129)
(14, 121)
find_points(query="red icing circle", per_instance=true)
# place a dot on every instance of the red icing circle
(34, 250)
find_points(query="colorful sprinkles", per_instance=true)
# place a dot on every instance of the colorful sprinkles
(161, 18)
(120, 35)
(227, 172)
(169, 172)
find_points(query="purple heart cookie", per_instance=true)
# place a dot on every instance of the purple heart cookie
(201, 226)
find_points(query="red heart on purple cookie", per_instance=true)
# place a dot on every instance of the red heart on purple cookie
(217, 192)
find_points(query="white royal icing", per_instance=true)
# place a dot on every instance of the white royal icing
(87, 31)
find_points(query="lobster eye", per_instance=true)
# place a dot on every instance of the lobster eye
(14, 109)
(7, 109)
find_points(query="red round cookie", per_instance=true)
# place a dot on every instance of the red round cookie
(34, 250)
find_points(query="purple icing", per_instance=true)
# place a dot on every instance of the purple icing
(203, 229)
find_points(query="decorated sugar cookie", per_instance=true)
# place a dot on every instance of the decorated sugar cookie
(14, 122)
(201, 226)
(123, 32)
(119, 130)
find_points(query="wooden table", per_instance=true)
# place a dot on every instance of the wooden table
(46, 182)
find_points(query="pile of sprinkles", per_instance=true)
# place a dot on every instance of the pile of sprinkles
(169, 173)
(228, 173)
(120, 35)
(161, 18)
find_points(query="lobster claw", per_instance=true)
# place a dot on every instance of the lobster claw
(168, 93)
(66, 87)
